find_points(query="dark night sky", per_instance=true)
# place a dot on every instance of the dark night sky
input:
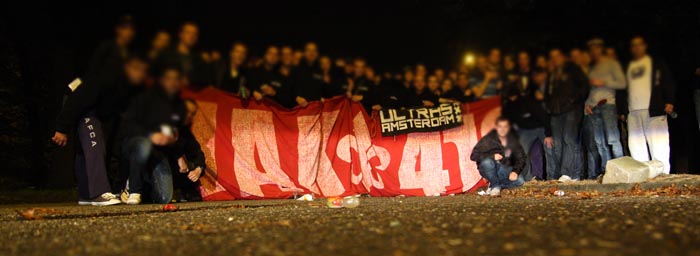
(388, 33)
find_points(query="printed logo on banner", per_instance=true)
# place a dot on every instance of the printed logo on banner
(402, 121)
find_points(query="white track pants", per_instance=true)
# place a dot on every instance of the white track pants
(644, 130)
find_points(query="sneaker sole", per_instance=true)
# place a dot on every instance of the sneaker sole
(99, 203)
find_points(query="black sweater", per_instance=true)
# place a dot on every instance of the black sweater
(490, 144)
(566, 91)
(154, 108)
(108, 98)
(308, 81)
(663, 90)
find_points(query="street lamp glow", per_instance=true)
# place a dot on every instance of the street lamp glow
(469, 59)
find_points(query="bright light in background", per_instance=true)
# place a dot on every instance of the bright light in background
(469, 59)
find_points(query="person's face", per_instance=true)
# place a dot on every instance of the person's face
(523, 60)
(440, 73)
(482, 63)
(433, 83)
(238, 54)
(585, 59)
(463, 81)
(502, 128)
(508, 63)
(638, 47)
(171, 82)
(325, 63)
(161, 41)
(541, 61)
(452, 75)
(540, 77)
(359, 67)
(272, 56)
(287, 56)
(575, 56)
(369, 73)
(125, 33)
(421, 70)
(311, 52)
(136, 71)
(419, 83)
(610, 52)
(446, 85)
(297, 57)
(189, 35)
(495, 57)
(408, 76)
(557, 58)
(595, 51)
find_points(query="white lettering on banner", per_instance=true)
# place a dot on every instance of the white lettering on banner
(254, 131)
(327, 179)
(307, 149)
(464, 138)
(431, 177)
(365, 151)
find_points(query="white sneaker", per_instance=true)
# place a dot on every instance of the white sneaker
(134, 198)
(565, 178)
(495, 191)
(484, 192)
(102, 200)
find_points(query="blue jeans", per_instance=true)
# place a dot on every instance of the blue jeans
(497, 174)
(527, 138)
(567, 158)
(148, 166)
(602, 138)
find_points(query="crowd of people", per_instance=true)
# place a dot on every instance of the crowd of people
(128, 107)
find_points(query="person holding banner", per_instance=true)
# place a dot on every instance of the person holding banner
(500, 158)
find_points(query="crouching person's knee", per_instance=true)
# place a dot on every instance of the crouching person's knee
(487, 164)
(140, 148)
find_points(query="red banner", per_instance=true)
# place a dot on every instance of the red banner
(257, 150)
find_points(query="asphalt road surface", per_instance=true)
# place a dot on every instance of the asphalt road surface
(534, 223)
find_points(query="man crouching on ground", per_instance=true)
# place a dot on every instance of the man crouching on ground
(157, 137)
(500, 158)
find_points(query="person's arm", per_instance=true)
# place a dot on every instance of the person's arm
(192, 150)
(582, 84)
(481, 151)
(668, 84)
(617, 79)
(77, 104)
(519, 157)
(480, 88)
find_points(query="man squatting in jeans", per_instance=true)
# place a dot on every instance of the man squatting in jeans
(500, 158)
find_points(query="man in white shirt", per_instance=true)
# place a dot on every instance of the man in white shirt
(651, 95)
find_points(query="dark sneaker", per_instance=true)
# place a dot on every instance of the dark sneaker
(103, 200)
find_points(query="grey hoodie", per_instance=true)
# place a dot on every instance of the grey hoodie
(610, 72)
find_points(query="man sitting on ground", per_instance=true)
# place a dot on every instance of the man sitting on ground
(500, 158)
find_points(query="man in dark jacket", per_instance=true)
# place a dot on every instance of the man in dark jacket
(94, 109)
(308, 77)
(650, 97)
(526, 110)
(156, 137)
(566, 91)
(266, 80)
(500, 158)
(183, 55)
(108, 59)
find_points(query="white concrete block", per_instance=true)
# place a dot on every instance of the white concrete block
(625, 170)
(656, 168)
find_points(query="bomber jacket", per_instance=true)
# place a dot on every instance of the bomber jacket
(490, 144)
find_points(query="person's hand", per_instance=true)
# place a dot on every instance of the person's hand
(513, 176)
(356, 98)
(182, 164)
(589, 110)
(668, 109)
(160, 139)
(301, 101)
(539, 95)
(468, 92)
(268, 90)
(497, 157)
(257, 95)
(596, 82)
(195, 174)
(61, 139)
(513, 98)
(377, 107)
(427, 103)
(549, 142)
